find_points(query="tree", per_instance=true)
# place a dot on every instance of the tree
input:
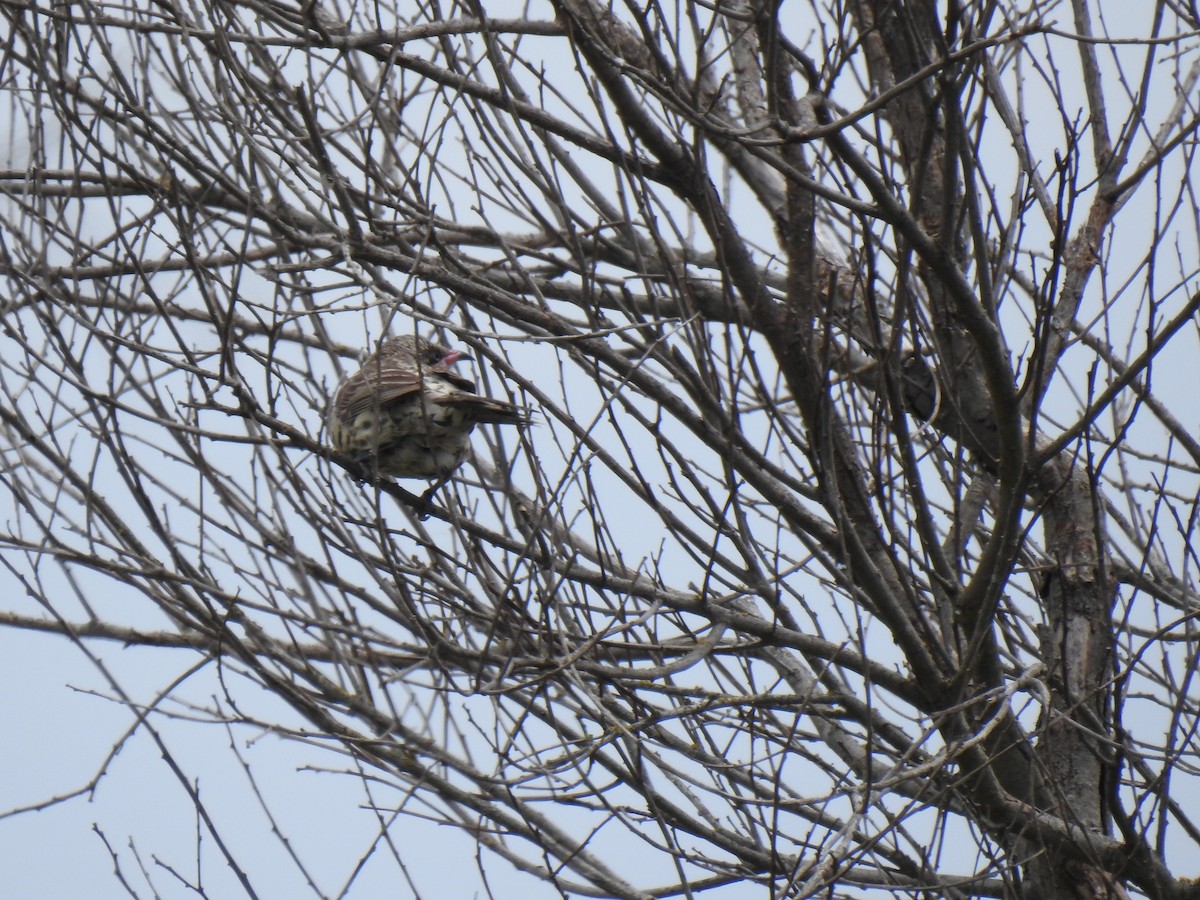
(851, 551)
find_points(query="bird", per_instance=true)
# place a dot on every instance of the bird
(406, 414)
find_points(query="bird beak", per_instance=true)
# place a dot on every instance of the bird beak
(452, 357)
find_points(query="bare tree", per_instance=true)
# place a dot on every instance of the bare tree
(850, 552)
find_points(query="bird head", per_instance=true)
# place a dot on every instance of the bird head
(425, 354)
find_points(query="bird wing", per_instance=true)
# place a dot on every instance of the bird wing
(374, 387)
(380, 383)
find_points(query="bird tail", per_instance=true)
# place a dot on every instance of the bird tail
(487, 411)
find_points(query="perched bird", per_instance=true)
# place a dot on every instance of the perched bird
(406, 414)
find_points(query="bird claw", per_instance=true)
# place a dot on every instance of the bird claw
(423, 505)
(361, 468)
